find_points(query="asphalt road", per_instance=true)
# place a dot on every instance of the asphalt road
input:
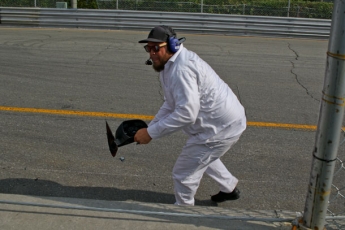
(277, 80)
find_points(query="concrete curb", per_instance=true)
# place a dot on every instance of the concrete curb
(18, 211)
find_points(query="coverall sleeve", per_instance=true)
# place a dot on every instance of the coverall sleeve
(185, 96)
(164, 111)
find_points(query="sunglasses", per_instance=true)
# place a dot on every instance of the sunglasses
(154, 48)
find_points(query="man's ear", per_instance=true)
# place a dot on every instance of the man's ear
(168, 51)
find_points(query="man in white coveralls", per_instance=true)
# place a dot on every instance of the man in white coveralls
(200, 103)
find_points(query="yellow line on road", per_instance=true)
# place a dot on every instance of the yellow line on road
(281, 125)
(142, 117)
(77, 113)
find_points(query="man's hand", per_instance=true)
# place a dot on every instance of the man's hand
(142, 136)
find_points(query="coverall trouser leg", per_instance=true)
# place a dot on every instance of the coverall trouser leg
(194, 161)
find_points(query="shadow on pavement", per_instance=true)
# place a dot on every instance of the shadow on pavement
(37, 187)
(57, 193)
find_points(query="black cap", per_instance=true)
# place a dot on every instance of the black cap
(159, 34)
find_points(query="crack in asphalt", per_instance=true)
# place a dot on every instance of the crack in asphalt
(240, 99)
(296, 76)
(98, 54)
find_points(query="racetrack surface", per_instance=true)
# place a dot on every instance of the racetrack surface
(95, 72)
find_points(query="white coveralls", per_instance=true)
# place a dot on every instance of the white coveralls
(200, 103)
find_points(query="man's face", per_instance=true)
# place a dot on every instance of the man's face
(160, 57)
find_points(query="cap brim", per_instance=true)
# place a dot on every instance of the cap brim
(150, 40)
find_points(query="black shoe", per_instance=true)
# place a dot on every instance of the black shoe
(223, 196)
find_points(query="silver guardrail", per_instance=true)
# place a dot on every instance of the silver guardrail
(182, 22)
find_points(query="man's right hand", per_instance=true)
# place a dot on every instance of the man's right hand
(142, 136)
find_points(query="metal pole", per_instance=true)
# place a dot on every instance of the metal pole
(74, 4)
(288, 13)
(329, 124)
(202, 6)
(35, 3)
(244, 9)
(117, 4)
